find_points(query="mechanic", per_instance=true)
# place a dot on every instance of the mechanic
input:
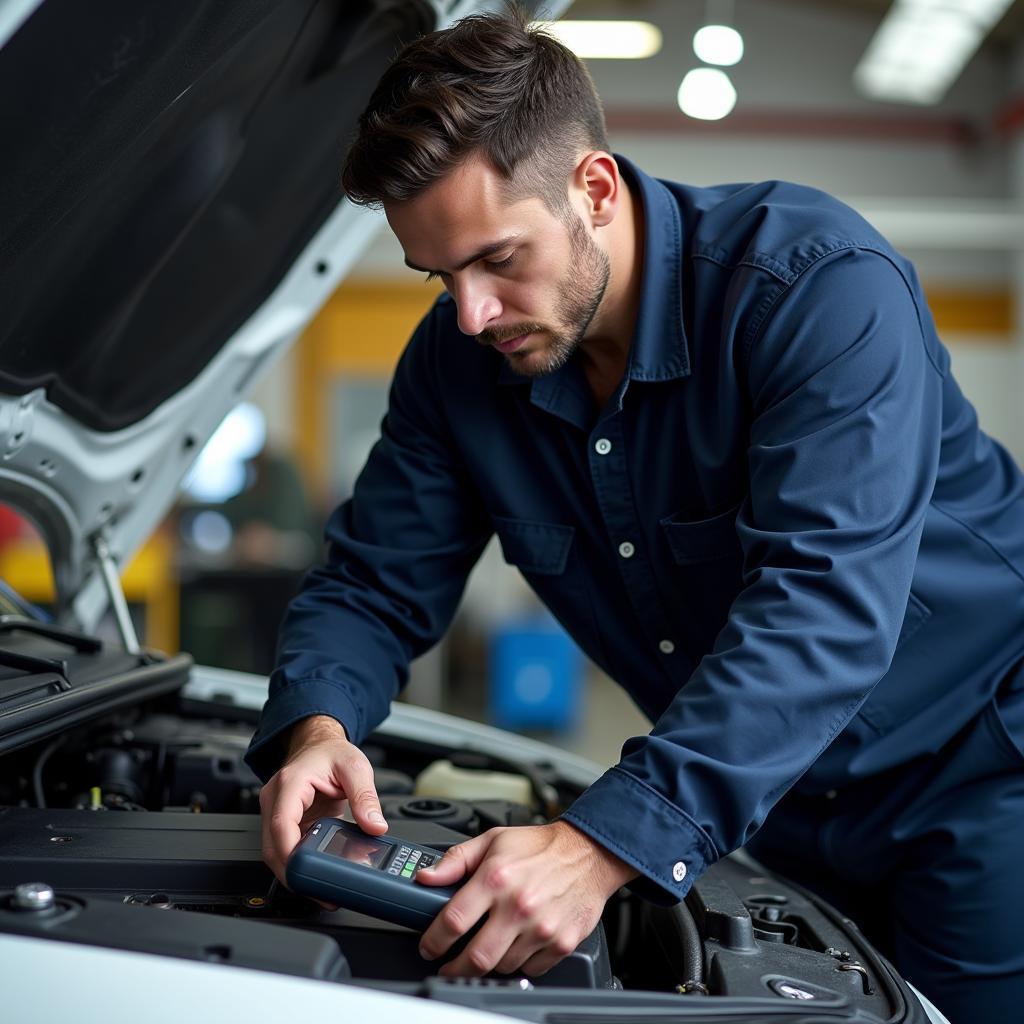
(717, 433)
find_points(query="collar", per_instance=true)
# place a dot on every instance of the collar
(659, 350)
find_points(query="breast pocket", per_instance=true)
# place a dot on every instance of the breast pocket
(708, 569)
(705, 540)
(545, 553)
(539, 548)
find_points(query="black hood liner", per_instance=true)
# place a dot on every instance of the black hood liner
(164, 164)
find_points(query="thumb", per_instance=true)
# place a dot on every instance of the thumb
(357, 781)
(458, 862)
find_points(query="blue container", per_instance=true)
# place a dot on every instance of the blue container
(536, 672)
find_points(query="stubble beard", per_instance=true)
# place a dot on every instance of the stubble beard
(580, 294)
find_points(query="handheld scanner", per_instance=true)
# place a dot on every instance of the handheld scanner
(339, 863)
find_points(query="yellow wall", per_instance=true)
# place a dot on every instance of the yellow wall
(360, 332)
(149, 580)
(987, 312)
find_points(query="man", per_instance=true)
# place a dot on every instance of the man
(716, 431)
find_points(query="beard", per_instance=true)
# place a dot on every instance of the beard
(579, 297)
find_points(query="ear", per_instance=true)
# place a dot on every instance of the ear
(599, 184)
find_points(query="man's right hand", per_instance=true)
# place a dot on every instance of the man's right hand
(321, 771)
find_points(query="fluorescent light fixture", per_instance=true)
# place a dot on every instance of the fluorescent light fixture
(707, 94)
(921, 47)
(607, 40)
(718, 44)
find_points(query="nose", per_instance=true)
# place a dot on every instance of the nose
(477, 305)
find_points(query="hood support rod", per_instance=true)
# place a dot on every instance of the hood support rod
(115, 593)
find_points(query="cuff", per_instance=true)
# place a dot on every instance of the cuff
(637, 824)
(288, 705)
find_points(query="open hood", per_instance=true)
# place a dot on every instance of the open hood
(171, 218)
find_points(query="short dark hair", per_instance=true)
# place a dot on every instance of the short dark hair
(490, 84)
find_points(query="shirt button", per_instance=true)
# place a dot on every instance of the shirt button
(666, 647)
(679, 871)
(831, 794)
(626, 549)
(603, 446)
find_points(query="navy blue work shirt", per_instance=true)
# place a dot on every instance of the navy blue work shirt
(784, 535)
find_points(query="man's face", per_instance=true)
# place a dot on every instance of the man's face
(523, 279)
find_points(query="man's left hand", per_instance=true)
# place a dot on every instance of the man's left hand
(543, 888)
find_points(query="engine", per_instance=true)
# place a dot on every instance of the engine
(156, 810)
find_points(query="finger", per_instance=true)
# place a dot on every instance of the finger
(483, 953)
(322, 808)
(460, 914)
(267, 846)
(356, 777)
(459, 861)
(524, 947)
(455, 919)
(542, 961)
(281, 825)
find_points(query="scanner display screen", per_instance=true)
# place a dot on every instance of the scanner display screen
(359, 849)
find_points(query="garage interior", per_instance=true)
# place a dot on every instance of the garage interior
(943, 180)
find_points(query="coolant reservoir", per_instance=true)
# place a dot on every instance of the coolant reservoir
(443, 779)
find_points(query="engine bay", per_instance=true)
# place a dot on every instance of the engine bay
(146, 825)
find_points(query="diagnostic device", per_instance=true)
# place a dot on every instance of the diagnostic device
(339, 863)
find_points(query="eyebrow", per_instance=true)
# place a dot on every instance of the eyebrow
(488, 250)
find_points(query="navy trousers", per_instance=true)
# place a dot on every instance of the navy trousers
(929, 860)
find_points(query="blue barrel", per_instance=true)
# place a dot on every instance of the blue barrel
(536, 672)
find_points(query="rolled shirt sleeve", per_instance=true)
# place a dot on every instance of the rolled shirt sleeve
(845, 411)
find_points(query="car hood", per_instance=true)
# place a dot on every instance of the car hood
(172, 218)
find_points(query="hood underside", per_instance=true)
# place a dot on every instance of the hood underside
(165, 164)
(171, 218)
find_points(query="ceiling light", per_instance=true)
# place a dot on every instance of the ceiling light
(718, 44)
(604, 40)
(921, 47)
(707, 94)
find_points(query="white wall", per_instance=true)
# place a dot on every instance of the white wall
(274, 393)
(854, 167)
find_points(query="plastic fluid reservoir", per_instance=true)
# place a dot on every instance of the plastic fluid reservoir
(442, 778)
